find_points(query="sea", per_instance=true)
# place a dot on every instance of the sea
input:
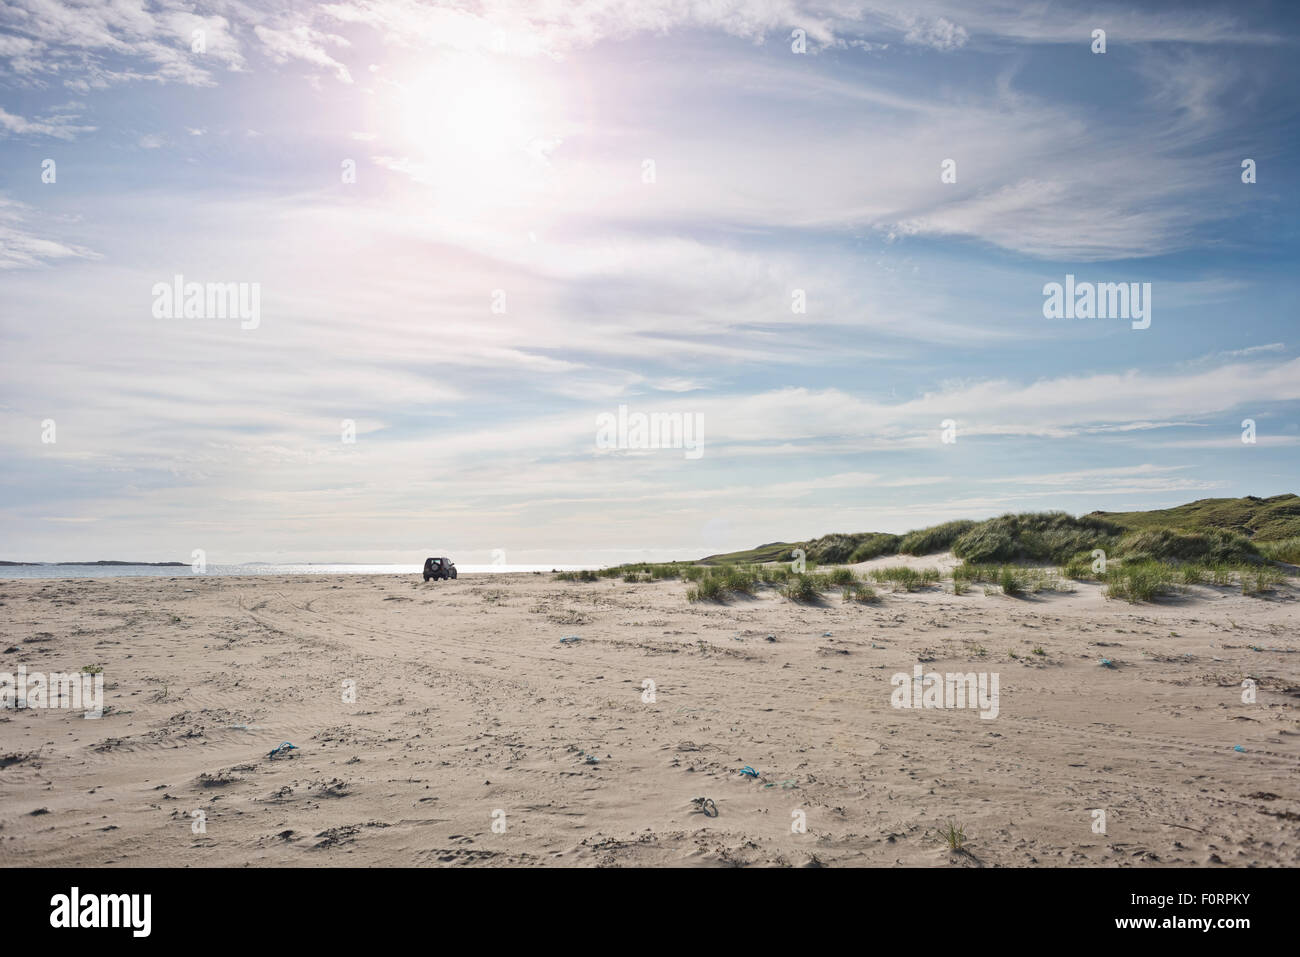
(257, 568)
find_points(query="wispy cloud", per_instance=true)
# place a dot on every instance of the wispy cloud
(60, 127)
(21, 244)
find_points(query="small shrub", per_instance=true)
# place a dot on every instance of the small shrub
(586, 575)
(706, 589)
(861, 592)
(1009, 582)
(714, 584)
(1139, 581)
(804, 588)
(842, 576)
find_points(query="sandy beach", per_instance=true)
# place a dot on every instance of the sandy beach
(478, 736)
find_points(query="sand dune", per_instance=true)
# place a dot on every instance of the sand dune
(469, 710)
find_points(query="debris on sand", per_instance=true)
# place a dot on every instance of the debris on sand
(705, 806)
(284, 747)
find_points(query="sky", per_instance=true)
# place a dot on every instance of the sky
(820, 232)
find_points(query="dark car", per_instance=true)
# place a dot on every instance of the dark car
(439, 568)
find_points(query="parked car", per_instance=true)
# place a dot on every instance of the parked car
(439, 568)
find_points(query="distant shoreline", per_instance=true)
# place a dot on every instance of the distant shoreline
(19, 571)
(149, 564)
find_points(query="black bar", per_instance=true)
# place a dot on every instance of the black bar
(332, 906)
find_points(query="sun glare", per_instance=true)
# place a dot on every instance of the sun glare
(469, 111)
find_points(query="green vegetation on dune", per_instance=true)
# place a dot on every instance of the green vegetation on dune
(860, 592)
(904, 578)
(718, 583)
(1035, 537)
(772, 552)
(846, 548)
(803, 588)
(1147, 554)
(1012, 579)
(1259, 519)
(1212, 530)
(1282, 550)
(936, 538)
(1164, 544)
(875, 544)
(835, 549)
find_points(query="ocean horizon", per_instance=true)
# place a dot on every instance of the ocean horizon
(55, 570)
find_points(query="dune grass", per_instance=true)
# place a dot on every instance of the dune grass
(841, 576)
(1214, 546)
(715, 584)
(1259, 579)
(904, 578)
(860, 591)
(1263, 519)
(1141, 581)
(585, 575)
(633, 571)
(873, 545)
(1012, 579)
(805, 588)
(936, 538)
(953, 835)
(707, 589)
(1141, 566)
(1206, 530)
(1283, 550)
(1034, 537)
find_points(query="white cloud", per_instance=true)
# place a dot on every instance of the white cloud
(21, 247)
(304, 43)
(940, 33)
(58, 126)
(72, 42)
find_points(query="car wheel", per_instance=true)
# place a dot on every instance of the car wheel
(453, 573)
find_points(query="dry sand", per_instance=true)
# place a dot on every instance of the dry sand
(467, 704)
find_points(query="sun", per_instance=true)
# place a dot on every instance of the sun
(467, 111)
